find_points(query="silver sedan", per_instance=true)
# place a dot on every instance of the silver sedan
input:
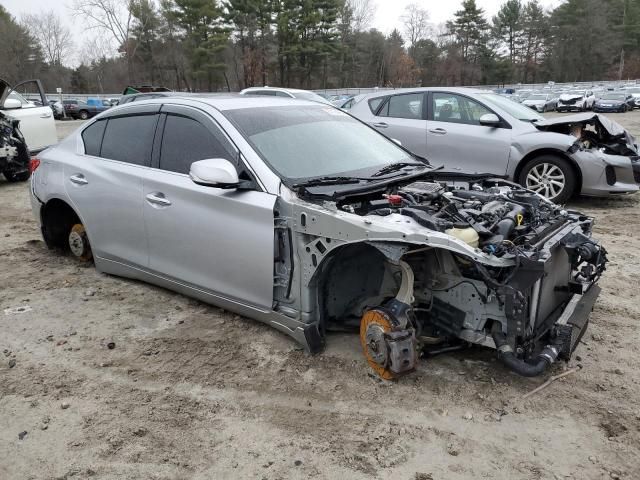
(298, 215)
(475, 131)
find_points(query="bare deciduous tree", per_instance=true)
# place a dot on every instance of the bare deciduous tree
(113, 17)
(362, 14)
(415, 21)
(53, 37)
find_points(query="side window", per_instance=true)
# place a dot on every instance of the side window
(129, 139)
(92, 138)
(374, 104)
(404, 106)
(185, 141)
(282, 94)
(448, 107)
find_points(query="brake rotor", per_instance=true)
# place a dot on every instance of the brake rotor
(373, 326)
(79, 243)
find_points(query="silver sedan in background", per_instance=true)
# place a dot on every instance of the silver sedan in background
(476, 131)
(541, 102)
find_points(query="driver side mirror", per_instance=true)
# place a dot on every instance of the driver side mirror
(214, 172)
(490, 120)
(12, 104)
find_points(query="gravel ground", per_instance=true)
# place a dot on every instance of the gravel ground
(107, 378)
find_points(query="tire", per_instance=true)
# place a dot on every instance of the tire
(550, 176)
(83, 114)
(17, 177)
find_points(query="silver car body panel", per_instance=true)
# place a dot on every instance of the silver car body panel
(474, 149)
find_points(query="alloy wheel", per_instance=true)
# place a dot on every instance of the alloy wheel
(546, 179)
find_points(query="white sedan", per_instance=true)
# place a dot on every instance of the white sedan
(36, 122)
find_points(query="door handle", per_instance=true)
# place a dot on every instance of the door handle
(438, 131)
(380, 125)
(78, 179)
(158, 198)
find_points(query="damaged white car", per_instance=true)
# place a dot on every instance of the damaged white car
(298, 215)
(14, 154)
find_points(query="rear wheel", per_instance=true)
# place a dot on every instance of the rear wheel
(83, 114)
(17, 177)
(550, 176)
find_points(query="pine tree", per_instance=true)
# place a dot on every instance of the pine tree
(469, 29)
(206, 38)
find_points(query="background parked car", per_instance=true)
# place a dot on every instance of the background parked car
(285, 92)
(475, 131)
(541, 102)
(101, 105)
(57, 109)
(347, 103)
(79, 109)
(580, 100)
(619, 101)
(36, 123)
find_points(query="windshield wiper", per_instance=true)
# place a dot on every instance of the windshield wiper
(318, 182)
(396, 166)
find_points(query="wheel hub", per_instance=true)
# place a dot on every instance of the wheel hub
(79, 242)
(546, 179)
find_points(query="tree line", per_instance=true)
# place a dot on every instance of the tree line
(212, 45)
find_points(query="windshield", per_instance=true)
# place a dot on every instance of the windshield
(614, 96)
(514, 109)
(314, 97)
(537, 97)
(314, 142)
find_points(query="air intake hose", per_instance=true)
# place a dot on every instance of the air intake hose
(548, 355)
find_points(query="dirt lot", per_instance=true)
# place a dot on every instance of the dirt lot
(193, 392)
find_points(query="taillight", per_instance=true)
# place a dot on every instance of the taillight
(34, 163)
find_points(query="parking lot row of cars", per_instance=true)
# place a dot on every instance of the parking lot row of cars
(71, 108)
(598, 99)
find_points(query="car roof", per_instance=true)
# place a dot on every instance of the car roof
(277, 89)
(399, 91)
(229, 101)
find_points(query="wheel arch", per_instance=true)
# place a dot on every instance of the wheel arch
(550, 151)
(57, 217)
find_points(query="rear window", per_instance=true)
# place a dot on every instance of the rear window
(92, 138)
(129, 139)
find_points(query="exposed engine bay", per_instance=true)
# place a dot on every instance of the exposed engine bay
(14, 154)
(505, 268)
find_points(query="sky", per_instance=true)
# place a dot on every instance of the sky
(388, 12)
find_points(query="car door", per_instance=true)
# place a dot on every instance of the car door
(105, 183)
(456, 140)
(402, 117)
(36, 122)
(215, 239)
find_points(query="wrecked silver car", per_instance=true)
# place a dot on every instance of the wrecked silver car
(300, 216)
(472, 131)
